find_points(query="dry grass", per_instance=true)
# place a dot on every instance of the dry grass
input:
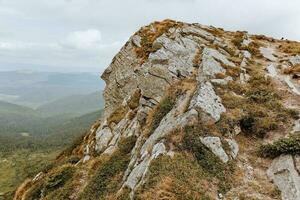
(117, 115)
(253, 48)
(294, 70)
(238, 39)
(197, 58)
(22, 189)
(177, 178)
(290, 47)
(257, 109)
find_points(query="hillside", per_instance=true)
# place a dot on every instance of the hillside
(191, 112)
(24, 155)
(9, 109)
(15, 119)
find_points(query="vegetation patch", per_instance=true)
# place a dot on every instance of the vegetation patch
(255, 106)
(294, 71)
(162, 110)
(117, 115)
(238, 39)
(56, 179)
(290, 47)
(209, 162)
(289, 145)
(108, 177)
(179, 178)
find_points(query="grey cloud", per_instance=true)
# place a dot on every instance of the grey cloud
(52, 32)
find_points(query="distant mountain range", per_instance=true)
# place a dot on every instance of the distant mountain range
(74, 105)
(15, 118)
(34, 101)
(34, 89)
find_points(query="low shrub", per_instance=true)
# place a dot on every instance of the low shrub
(289, 145)
(162, 110)
(55, 180)
(255, 106)
(109, 174)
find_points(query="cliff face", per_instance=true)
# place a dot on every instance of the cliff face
(191, 112)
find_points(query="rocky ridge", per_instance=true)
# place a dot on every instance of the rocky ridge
(191, 112)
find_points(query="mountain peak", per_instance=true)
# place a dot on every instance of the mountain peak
(191, 112)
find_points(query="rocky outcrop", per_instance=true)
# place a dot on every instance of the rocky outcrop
(285, 175)
(197, 97)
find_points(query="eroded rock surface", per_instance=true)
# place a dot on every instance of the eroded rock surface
(172, 79)
(286, 177)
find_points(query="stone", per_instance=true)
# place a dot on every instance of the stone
(283, 173)
(267, 52)
(140, 169)
(222, 81)
(136, 39)
(294, 60)
(291, 85)
(233, 146)
(103, 137)
(246, 54)
(215, 145)
(208, 101)
(246, 41)
(86, 158)
(296, 127)
(272, 70)
(178, 53)
(198, 31)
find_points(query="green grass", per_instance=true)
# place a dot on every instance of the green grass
(49, 185)
(23, 157)
(289, 145)
(16, 167)
(209, 162)
(162, 110)
(108, 176)
(258, 109)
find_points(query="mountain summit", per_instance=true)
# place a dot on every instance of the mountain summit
(191, 112)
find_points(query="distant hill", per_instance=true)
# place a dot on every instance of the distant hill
(54, 132)
(74, 105)
(36, 88)
(17, 119)
(9, 108)
(26, 155)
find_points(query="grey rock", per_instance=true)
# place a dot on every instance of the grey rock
(283, 173)
(208, 101)
(233, 146)
(294, 60)
(215, 145)
(267, 52)
(103, 137)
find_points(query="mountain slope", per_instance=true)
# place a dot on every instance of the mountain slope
(9, 108)
(191, 112)
(24, 155)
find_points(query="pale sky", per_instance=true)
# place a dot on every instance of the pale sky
(84, 35)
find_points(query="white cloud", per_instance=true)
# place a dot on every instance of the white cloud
(89, 39)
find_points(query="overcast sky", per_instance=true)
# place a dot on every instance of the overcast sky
(84, 35)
